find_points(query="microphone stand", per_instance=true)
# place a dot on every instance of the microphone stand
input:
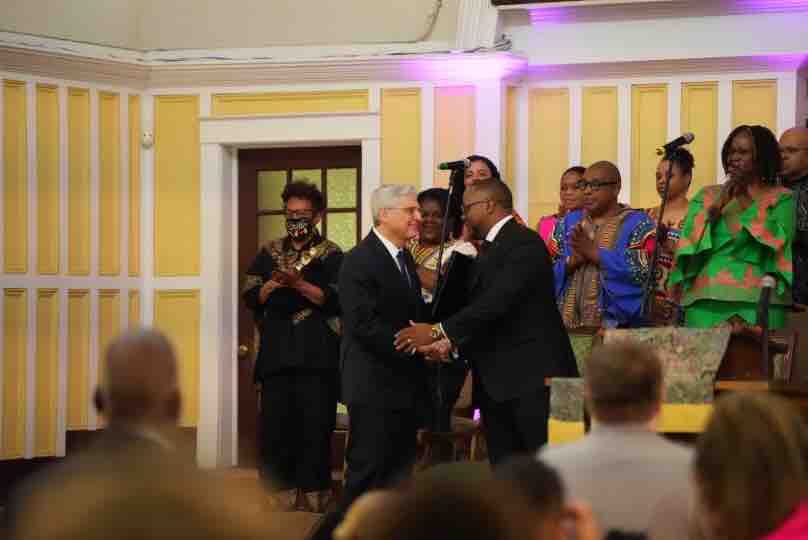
(440, 423)
(649, 289)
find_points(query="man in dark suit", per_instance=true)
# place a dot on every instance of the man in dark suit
(384, 389)
(511, 332)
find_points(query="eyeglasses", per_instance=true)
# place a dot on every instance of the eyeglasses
(583, 185)
(467, 207)
(791, 149)
(294, 214)
(409, 210)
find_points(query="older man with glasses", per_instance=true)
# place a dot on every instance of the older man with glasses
(601, 255)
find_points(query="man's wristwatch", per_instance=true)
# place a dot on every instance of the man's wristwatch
(436, 332)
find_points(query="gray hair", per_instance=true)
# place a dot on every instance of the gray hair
(386, 196)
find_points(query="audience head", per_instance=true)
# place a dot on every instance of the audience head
(623, 383)
(600, 187)
(794, 152)
(480, 168)
(303, 204)
(139, 383)
(395, 212)
(572, 197)
(680, 163)
(752, 153)
(484, 204)
(750, 466)
(444, 509)
(432, 204)
(365, 514)
(542, 489)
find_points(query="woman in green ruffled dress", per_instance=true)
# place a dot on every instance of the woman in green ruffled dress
(736, 233)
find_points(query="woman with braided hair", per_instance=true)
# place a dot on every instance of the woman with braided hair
(736, 233)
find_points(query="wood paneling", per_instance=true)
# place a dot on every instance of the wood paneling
(78, 193)
(15, 178)
(454, 126)
(47, 178)
(649, 130)
(548, 143)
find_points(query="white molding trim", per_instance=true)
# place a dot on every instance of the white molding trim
(624, 140)
(220, 137)
(522, 152)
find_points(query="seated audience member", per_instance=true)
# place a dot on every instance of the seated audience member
(141, 498)
(751, 470)
(491, 509)
(364, 514)
(623, 468)
(601, 254)
(735, 234)
(140, 398)
(571, 199)
(680, 164)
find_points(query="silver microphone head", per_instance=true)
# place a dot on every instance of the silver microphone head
(689, 137)
(768, 282)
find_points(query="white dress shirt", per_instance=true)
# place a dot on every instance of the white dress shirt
(494, 231)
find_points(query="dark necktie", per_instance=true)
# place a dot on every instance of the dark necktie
(402, 267)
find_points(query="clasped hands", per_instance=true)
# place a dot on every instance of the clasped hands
(280, 278)
(417, 338)
(584, 248)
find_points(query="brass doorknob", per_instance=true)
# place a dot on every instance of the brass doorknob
(242, 351)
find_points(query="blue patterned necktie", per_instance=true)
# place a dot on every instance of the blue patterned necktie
(402, 267)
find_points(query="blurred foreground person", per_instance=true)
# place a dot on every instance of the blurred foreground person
(751, 470)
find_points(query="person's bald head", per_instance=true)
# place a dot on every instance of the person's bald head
(794, 151)
(601, 185)
(139, 380)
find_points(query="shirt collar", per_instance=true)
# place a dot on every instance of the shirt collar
(494, 231)
(390, 246)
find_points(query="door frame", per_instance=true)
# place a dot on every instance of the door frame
(221, 138)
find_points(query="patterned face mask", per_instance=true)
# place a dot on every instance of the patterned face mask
(299, 228)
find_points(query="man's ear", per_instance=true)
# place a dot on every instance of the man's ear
(99, 401)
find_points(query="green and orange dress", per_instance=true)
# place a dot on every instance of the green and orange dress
(719, 265)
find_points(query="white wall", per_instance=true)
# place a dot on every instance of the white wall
(664, 38)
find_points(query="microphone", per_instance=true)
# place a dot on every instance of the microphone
(767, 283)
(724, 196)
(452, 165)
(686, 138)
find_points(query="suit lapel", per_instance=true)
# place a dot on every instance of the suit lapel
(393, 274)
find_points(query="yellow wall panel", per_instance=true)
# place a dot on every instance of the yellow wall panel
(454, 126)
(47, 164)
(109, 187)
(47, 372)
(700, 116)
(15, 367)
(599, 125)
(548, 155)
(177, 312)
(78, 193)
(649, 130)
(176, 186)
(109, 322)
(289, 102)
(509, 140)
(134, 186)
(134, 309)
(15, 178)
(755, 103)
(401, 136)
(78, 358)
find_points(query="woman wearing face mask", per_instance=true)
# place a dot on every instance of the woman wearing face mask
(291, 289)
(736, 233)
(680, 164)
(572, 198)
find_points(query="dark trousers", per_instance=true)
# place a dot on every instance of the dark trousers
(381, 452)
(515, 426)
(298, 414)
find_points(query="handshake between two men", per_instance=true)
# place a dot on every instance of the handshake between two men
(426, 339)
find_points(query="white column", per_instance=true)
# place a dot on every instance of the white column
(427, 135)
(147, 213)
(724, 120)
(576, 120)
(674, 108)
(33, 192)
(521, 154)
(786, 102)
(371, 178)
(489, 115)
(624, 140)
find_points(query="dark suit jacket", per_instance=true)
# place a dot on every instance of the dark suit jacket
(511, 332)
(376, 303)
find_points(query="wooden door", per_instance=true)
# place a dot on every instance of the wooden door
(263, 173)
